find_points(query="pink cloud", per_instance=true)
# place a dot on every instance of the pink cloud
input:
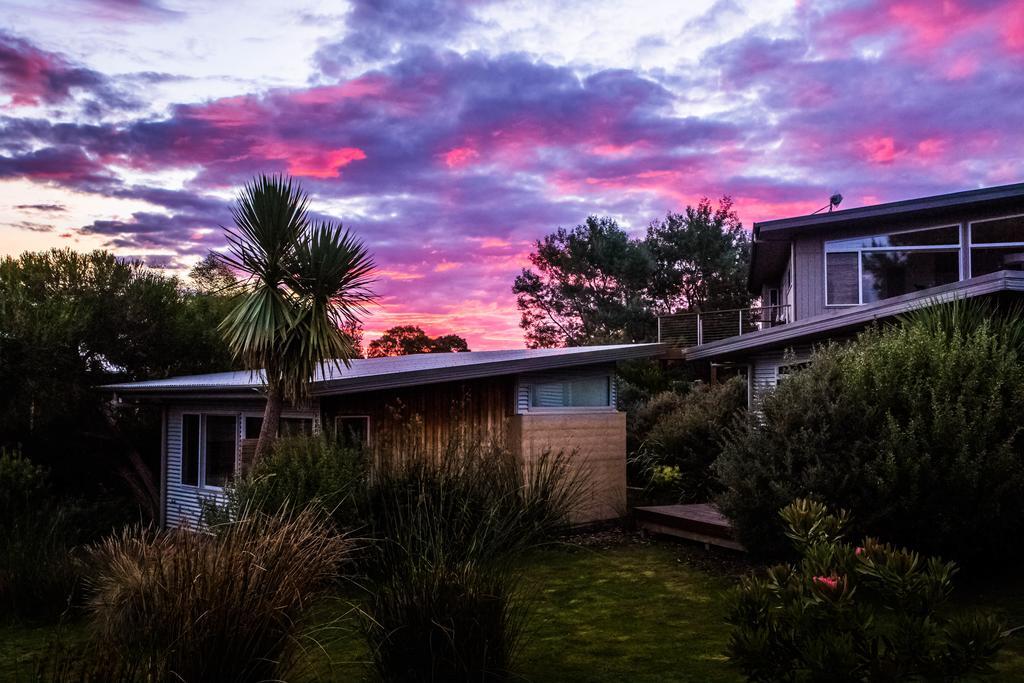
(459, 156)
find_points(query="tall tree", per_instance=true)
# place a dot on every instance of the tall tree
(589, 286)
(72, 321)
(403, 340)
(701, 259)
(302, 283)
(596, 284)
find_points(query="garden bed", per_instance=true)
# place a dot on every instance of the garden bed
(607, 608)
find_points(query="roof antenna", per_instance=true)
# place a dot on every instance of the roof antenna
(833, 201)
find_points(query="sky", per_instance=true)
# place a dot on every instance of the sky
(450, 136)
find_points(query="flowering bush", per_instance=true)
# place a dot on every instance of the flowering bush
(848, 613)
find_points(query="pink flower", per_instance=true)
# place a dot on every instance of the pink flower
(829, 582)
(859, 551)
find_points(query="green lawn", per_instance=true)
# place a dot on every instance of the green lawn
(620, 612)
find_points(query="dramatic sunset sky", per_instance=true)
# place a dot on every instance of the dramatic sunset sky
(451, 135)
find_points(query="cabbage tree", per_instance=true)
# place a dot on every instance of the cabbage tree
(300, 283)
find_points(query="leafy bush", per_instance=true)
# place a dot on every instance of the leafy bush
(915, 428)
(872, 613)
(38, 574)
(224, 606)
(685, 435)
(302, 471)
(441, 574)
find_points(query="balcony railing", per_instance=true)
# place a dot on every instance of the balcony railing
(693, 329)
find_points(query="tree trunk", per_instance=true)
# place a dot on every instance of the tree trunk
(271, 422)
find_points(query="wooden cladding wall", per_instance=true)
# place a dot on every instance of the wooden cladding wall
(425, 419)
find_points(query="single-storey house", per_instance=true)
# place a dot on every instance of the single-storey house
(826, 276)
(531, 400)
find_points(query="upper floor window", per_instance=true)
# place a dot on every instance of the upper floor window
(866, 269)
(997, 244)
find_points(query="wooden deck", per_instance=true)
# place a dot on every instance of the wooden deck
(700, 522)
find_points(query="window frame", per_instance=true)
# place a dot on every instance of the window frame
(859, 251)
(369, 434)
(551, 410)
(199, 451)
(201, 484)
(971, 246)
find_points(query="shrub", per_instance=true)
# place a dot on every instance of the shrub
(685, 436)
(844, 614)
(914, 428)
(38, 574)
(222, 606)
(301, 471)
(441, 574)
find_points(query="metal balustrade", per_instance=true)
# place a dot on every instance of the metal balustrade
(693, 329)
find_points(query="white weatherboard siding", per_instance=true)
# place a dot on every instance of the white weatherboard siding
(765, 369)
(184, 503)
(184, 506)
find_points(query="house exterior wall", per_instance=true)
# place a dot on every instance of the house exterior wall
(764, 369)
(424, 419)
(183, 503)
(599, 442)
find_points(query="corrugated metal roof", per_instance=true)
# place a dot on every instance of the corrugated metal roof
(376, 373)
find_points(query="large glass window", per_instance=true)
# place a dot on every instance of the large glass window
(209, 444)
(997, 245)
(578, 393)
(190, 450)
(221, 433)
(866, 269)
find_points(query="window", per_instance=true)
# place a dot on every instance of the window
(866, 269)
(288, 426)
(253, 425)
(997, 245)
(295, 426)
(190, 450)
(590, 392)
(219, 463)
(352, 431)
(209, 444)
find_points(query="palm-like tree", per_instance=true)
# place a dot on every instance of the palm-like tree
(301, 282)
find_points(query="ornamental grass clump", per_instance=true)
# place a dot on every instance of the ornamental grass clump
(219, 606)
(872, 612)
(442, 577)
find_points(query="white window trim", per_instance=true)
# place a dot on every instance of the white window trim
(201, 484)
(859, 251)
(987, 245)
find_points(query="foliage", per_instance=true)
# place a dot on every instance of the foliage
(682, 434)
(701, 258)
(441, 575)
(404, 340)
(184, 605)
(871, 613)
(302, 472)
(72, 321)
(915, 429)
(38, 574)
(303, 283)
(596, 284)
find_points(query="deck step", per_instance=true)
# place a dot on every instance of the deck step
(701, 522)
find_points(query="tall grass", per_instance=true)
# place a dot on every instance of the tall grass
(300, 472)
(221, 606)
(441, 573)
